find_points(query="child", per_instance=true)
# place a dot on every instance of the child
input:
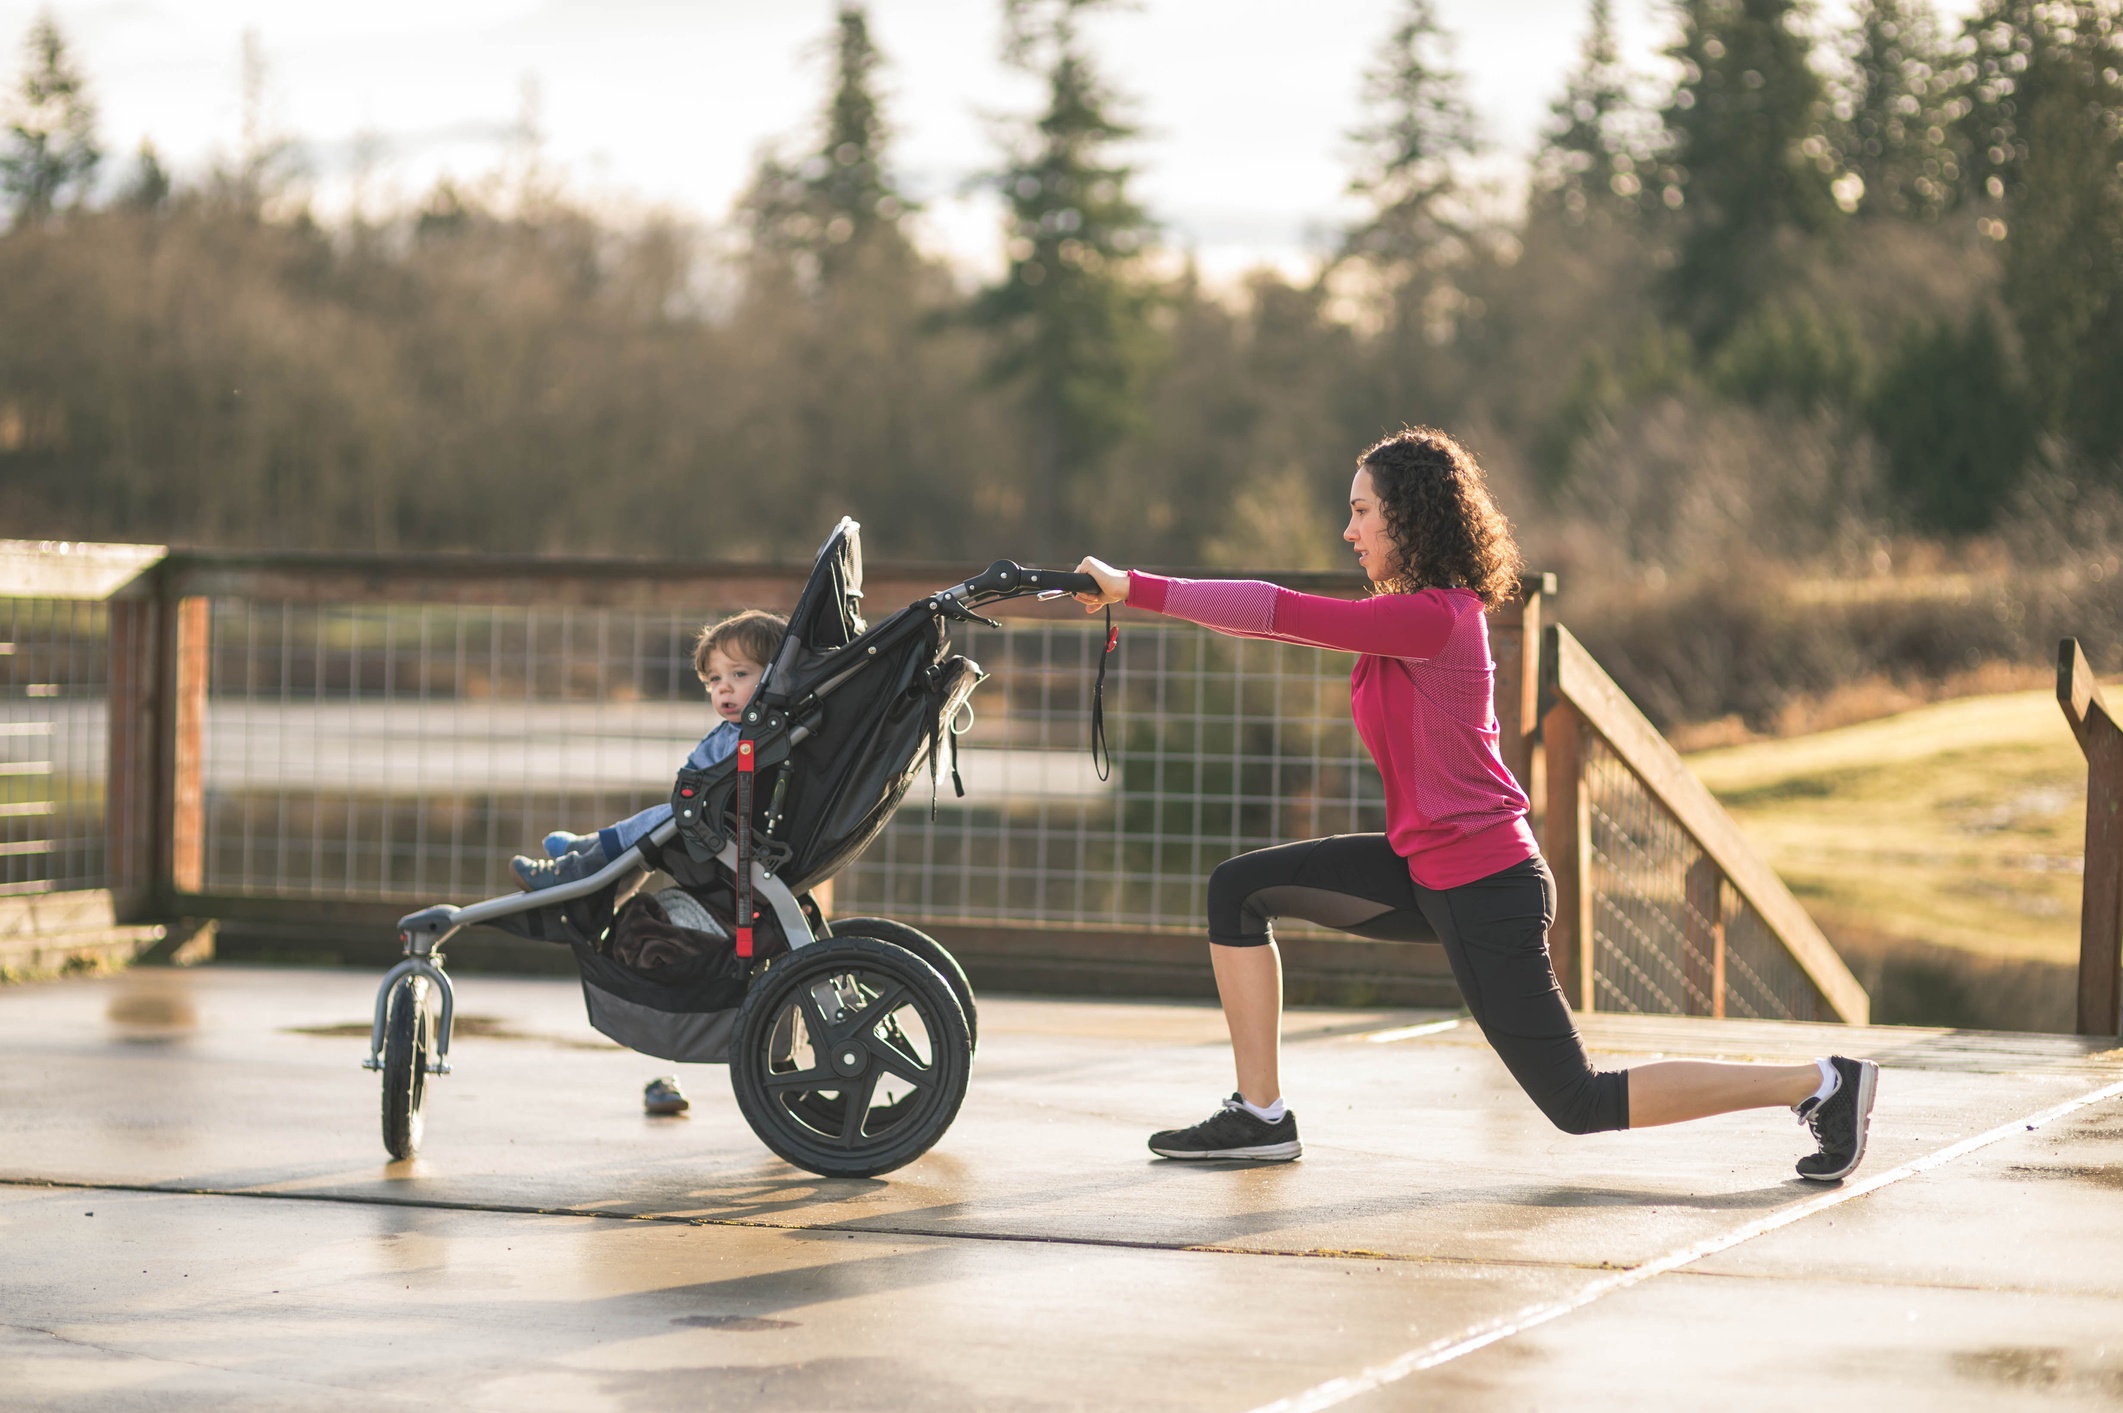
(729, 656)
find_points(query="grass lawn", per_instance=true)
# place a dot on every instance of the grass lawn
(1959, 825)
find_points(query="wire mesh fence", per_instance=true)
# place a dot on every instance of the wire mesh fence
(406, 752)
(403, 752)
(1669, 935)
(54, 690)
(1220, 745)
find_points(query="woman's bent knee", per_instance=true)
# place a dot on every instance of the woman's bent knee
(1232, 921)
(1597, 1103)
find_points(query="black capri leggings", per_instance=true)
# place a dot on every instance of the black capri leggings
(1495, 932)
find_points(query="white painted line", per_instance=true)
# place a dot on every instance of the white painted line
(1443, 1351)
(1408, 1032)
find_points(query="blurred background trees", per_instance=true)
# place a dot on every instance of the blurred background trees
(1816, 301)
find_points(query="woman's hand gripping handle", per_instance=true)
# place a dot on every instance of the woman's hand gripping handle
(1112, 584)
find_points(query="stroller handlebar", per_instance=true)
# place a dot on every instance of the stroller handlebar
(1006, 579)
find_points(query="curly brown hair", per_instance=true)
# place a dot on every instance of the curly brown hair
(1447, 532)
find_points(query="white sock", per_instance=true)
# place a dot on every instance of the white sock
(1830, 1083)
(1273, 1114)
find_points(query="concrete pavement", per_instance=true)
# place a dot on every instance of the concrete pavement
(251, 1248)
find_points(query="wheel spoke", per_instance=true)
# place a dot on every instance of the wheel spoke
(887, 1001)
(816, 1078)
(858, 1109)
(822, 1036)
(892, 1055)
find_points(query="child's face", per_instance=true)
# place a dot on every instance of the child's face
(730, 682)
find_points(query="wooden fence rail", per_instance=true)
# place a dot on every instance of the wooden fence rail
(1704, 857)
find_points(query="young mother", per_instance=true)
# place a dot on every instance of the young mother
(1457, 861)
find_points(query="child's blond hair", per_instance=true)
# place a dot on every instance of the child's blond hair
(752, 635)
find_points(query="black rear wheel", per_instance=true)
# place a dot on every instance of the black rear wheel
(408, 1039)
(922, 945)
(851, 1057)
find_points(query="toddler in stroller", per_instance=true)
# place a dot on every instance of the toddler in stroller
(850, 1043)
(729, 658)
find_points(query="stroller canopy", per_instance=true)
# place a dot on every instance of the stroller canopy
(828, 614)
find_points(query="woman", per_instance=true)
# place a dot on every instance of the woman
(1457, 861)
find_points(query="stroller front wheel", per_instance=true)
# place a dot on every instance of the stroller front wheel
(408, 1040)
(851, 1057)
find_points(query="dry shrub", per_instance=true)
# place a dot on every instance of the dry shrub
(1783, 653)
(1917, 983)
(1683, 485)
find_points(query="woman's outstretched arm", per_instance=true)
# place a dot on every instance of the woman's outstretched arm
(1392, 625)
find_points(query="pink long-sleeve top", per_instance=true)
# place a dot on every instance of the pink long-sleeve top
(1422, 695)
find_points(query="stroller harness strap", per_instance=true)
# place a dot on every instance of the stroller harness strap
(747, 773)
(1101, 752)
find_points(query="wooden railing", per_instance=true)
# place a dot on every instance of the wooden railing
(2101, 900)
(1663, 905)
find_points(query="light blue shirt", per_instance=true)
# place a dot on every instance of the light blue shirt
(718, 745)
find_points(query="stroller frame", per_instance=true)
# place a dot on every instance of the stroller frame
(847, 991)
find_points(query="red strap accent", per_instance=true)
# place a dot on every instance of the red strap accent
(746, 767)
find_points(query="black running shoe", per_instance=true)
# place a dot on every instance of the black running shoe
(1231, 1132)
(1839, 1121)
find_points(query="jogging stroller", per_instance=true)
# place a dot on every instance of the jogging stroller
(849, 1044)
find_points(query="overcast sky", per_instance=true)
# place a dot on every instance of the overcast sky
(667, 102)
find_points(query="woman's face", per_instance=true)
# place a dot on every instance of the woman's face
(1367, 529)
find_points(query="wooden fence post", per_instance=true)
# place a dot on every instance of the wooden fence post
(129, 814)
(1704, 929)
(154, 800)
(2101, 897)
(1515, 643)
(1568, 845)
(191, 625)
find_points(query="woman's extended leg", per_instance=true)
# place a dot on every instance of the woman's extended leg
(1674, 1091)
(1495, 932)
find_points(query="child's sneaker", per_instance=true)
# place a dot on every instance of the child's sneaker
(1232, 1132)
(535, 874)
(560, 842)
(1839, 1121)
(661, 1097)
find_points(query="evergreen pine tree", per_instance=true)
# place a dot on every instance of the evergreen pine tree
(1420, 130)
(1071, 314)
(836, 201)
(2046, 125)
(150, 185)
(1754, 165)
(1898, 111)
(1586, 164)
(51, 149)
(1952, 416)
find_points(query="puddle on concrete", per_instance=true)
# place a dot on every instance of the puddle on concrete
(477, 1027)
(153, 1006)
(740, 1324)
(2103, 1175)
(2041, 1367)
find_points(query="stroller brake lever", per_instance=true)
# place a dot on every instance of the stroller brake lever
(950, 607)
